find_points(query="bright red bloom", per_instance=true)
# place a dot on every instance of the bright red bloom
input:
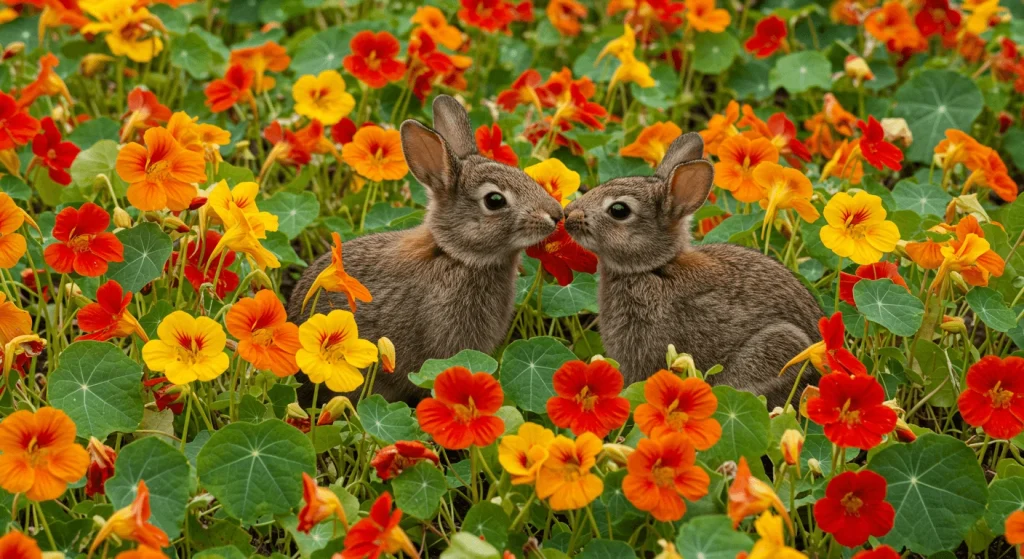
(394, 459)
(56, 155)
(83, 245)
(101, 467)
(488, 15)
(16, 126)
(373, 58)
(378, 533)
(587, 398)
(462, 412)
(109, 316)
(851, 411)
(876, 150)
(343, 131)
(166, 395)
(878, 270)
(837, 358)
(488, 142)
(523, 91)
(768, 37)
(583, 111)
(854, 508)
(994, 399)
(199, 269)
(228, 91)
(288, 148)
(937, 18)
(561, 255)
(880, 552)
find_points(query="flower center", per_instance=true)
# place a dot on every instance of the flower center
(848, 416)
(852, 503)
(158, 171)
(676, 419)
(464, 413)
(80, 243)
(1000, 396)
(188, 349)
(664, 476)
(263, 337)
(571, 471)
(746, 163)
(586, 400)
(372, 61)
(51, 154)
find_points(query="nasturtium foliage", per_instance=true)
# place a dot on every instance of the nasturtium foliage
(579, 296)
(146, 250)
(889, 305)
(419, 490)
(745, 427)
(294, 211)
(489, 521)
(527, 367)
(98, 386)
(711, 537)
(714, 52)
(1005, 496)
(471, 359)
(801, 71)
(990, 307)
(932, 102)
(922, 198)
(387, 422)
(166, 473)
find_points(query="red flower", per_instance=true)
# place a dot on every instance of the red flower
(837, 357)
(878, 270)
(56, 155)
(587, 398)
(583, 111)
(373, 58)
(378, 533)
(166, 395)
(522, 92)
(784, 131)
(937, 18)
(16, 126)
(101, 467)
(144, 111)
(560, 256)
(854, 508)
(199, 269)
(226, 92)
(488, 142)
(394, 459)
(768, 36)
(462, 412)
(488, 15)
(880, 552)
(109, 316)
(83, 245)
(994, 399)
(343, 131)
(288, 148)
(876, 150)
(851, 411)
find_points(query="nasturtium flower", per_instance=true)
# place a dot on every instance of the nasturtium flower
(632, 70)
(565, 16)
(969, 253)
(109, 317)
(560, 255)
(652, 143)
(487, 15)
(772, 544)
(857, 69)
(393, 459)
(244, 235)
(769, 36)
(880, 552)
(17, 127)
(323, 97)
(994, 398)
(234, 88)
(557, 180)
(791, 444)
(130, 30)
(14, 322)
(782, 189)
(703, 16)
(376, 154)
(132, 523)
(269, 56)
(523, 454)
(53, 153)
(142, 552)
(378, 533)
(856, 227)
(461, 413)
(750, 496)
(851, 410)
(854, 508)
(101, 467)
(878, 152)
(144, 112)
(83, 243)
(373, 59)
(332, 352)
(847, 163)
(1014, 526)
(523, 91)
(222, 199)
(565, 478)
(201, 267)
(434, 23)
(161, 174)
(878, 270)
(661, 473)
(320, 504)
(386, 348)
(187, 348)
(15, 545)
(12, 243)
(488, 143)
(624, 45)
(830, 355)
(937, 18)
(334, 279)
(587, 398)
(738, 157)
(676, 405)
(38, 454)
(265, 337)
(957, 147)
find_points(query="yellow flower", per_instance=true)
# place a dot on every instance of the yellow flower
(523, 454)
(243, 235)
(631, 70)
(565, 476)
(129, 31)
(222, 200)
(557, 179)
(784, 188)
(653, 142)
(857, 228)
(332, 351)
(772, 544)
(791, 443)
(981, 15)
(622, 46)
(187, 348)
(323, 97)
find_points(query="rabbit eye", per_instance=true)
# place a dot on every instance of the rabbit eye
(619, 211)
(495, 201)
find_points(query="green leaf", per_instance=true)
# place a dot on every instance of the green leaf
(468, 546)
(714, 52)
(387, 422)
(1005, 496)
(711, 537)
(938, 491)
(315, 539)
(152, 319)
(278, 243)
(488, 520)
(99, 159)
(933, 102)
(385, 217)
(419, 490)
(15, 188)
(889, 305)
(733, 226)
(146, 250)
(192, 54)
(294, 211)
(166, 473)
(225, 552)
(471, 359)
(750, 80)
(615, 500)
(923, 198)
(746, 428)
(801, 71)
(323, 51)
(232, 174)
(90, 132)
(527, 368)
(990, 307)
(615, 167)
(606, 549)
(579, 296)
(98, 386)
(255, 470)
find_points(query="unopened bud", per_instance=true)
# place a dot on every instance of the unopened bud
(903, 432)
(121, 218)
(13, 49)
(617, 453)
(808, 393)
(897, 131)
(684, 364)
(857, 69)
(334, 409)
(175, 224)
(297, 417)
(953, 324)
(814, 466)
(71, 289)
(387, 354)
(94, 63)
(260, 280)
(671, 355)
(196, 203)
(959, 281)
(668, 551)
(791, 444)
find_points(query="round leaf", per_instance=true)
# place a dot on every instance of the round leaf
(527, 368)
(489, 521)
(924, 199)
(94, 160)
(166, 473)
(714, 52)
(711, 537)
(932, 102)
(294, 211)
(606, 549)
(746, 428)
(388, 422)
(1005, 496)
(98, 386)
(146, 249)
(989, 305)
(475, 361)
(801, 71)
(579, 296)
(889, 305)
(419, 490)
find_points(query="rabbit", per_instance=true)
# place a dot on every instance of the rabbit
(721, 303)
(448, 284)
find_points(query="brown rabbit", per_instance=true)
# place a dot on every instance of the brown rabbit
(448, 284)
(723, 304)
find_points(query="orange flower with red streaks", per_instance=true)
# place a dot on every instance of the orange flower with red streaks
(233, 88)
(587, 398)
(781, 132)
(749, 496)
(17, 127)
(376, 154)
(109, 316)
(83, 243)
(434, 23)
(161, 174)
(321, 504)
(144, 111)
(994, 398)
(523, 91)
(661, 473)
(265, 337)
(847, 163)
(38, 454)
(721, 127)
(851, 411)
(703, 16)
(132, 523)
(392, 460)
(488, 143)
(969, 253)
(565, 16)
(461, 413)
(333, 278)
(830, 354)
(676, 405)
(373, 58)
(652, 143)
(288, 148)
(738, 156)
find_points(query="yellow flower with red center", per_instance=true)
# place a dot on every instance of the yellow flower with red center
(523, 454)
(187, 348)
(856, 228)
(244, 235)
(323, 97)
(376, 154)
(784, 188)
(332, 352)
(565, 477)
(38, 454)
(558, 180)
(652, 143)
(130, 31)
(738, 156)
(702, 15)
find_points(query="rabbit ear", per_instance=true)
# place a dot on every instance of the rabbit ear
(689, 185)
(685, 148)
(452, 122)
(429, 157)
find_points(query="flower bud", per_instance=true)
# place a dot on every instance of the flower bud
(668, 551)
(617, 453)
(897, 131)
(815, 467)
(297, 417)
(387, 354)
(13, 49)
(53, 555)
(260, 280)
(1005, 121)
(71, 289)
(903, 432)
(121, 218)
(196, 203)
(953, 324)
(683, 363)
(175, 224)
(959, 281)
(101, 467)
(808, 393)
(94, 63)
(857, 69)
(671, 355)
(334, 409)
(791, 444)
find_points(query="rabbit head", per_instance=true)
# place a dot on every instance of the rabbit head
(638, 224)
(480, 211)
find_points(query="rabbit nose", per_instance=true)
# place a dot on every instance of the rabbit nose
(555, 216)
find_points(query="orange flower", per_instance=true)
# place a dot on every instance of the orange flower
(675, 405)
(47, 83)
(833, 119)
(162, 174)
(268, 56)
(958, 147)
(661, 473)
(738, 156)
(749, 495)
(15, 545)
(653, 142)
(434, 23)
(376, 154)
(1015, 528)
(233, 88)
(846, 163)
(703, 16)
(14, 322)
(132, 523)
(143, 552)
(587, 398)
(12, 243)
(144, 111)
(333, 278)
(888, 21)
(783, 188)
(321, 504)
(265, 337)
(720, 127)
(373, 58)
(565, 16)
(40, 457)
(378, 533)
(109, 316)
(566, 476)
(968, 253)
(462, 412)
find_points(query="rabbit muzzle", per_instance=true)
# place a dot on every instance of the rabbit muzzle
(576, 224)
